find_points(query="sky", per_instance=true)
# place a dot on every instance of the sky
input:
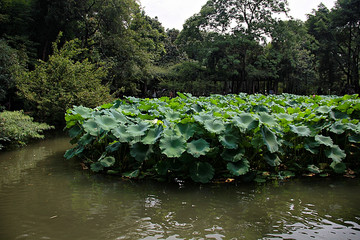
(173, 13)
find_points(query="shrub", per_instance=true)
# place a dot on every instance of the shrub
(64, 81)
(17, 129)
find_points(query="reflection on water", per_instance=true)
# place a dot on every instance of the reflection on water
(43, 196)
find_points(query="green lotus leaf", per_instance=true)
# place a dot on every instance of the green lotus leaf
(233, 155)
(196, 107)
(245, 122)
(72, 153)
(187, 130)
(198, 148)
(138, 130)
(272, 159)
(201, 172)
(152, 135)
(91, 127)
(355, 138)
(96, 167)
(239, 168)
(214, 126)
(324, 109)
(313, 169)
(335, 153)
(132, 174)
(141, 152)
(339, 167)
(121, 134)
(269, 139)
(284, 116)
(302, 131)
(327, 141)
(162, 167)
(106, 106)
(338, 128)
(85, 139)
(173, 146)
(229, 141)
(118, 116)
(312, 146)
(105, 122)
(172, 116)
(202, 117)
(74, 131)
(113, 147)
(107, 161)
(267, 119)
(83, 111)
(261, 108)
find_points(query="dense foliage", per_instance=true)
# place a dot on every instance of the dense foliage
(206, 138)
(63, 81)
(17, 129)
(227, 47)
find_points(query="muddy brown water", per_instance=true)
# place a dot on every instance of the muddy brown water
(44, 196)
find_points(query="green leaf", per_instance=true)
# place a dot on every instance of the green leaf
(313, 169)
(187, 130)
(85, 139)
(214, 126)
(140, 152)
(105, 122)
(354, 138)
(302, 131)
(229, 141)
(96, 167)
(324, 109)
(335, 153)
(91, 127)
(75, 131)
(239, 168)
(233, 155)
(339, 167)
(198, 148)
(121, 134)
(107, 161)
(201, 172)
(338, 128)
(173, 146)
(312, 146)
(202, 117)
(133, 174)
(172, 116)
(138, 130)
(272, 159)
(152, 135)
(327, 141)
(113, 147)
(267, 119)
(83, 111)
(245, 122)
(269, 139)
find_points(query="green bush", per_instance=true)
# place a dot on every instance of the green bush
(17, 129)
(66, 79)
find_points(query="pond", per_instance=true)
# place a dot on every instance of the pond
(43, 196)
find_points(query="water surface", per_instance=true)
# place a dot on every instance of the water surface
(43, 196)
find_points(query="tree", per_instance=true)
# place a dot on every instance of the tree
(61, 82)
(291, 49)
(11, 65)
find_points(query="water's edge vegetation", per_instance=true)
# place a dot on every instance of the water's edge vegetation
(242, 137)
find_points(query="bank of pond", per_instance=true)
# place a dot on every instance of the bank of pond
(238, 137)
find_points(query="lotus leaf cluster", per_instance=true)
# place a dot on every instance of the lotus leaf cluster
(247, 137)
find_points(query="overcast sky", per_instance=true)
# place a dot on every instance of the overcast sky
(173, 13)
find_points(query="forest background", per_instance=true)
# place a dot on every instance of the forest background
(60, 53)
